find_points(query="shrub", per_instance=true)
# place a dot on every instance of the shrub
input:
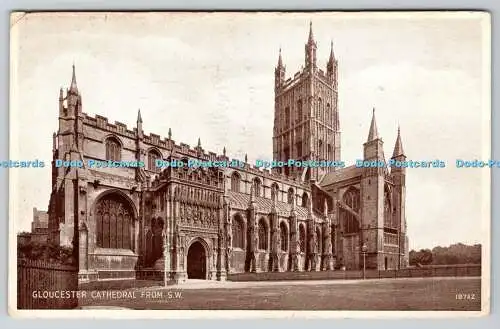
(46, 252)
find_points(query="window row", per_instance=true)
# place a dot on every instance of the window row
(114, 153)
(238, 232)
(259, 192)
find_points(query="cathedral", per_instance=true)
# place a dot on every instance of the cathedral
(171, 224)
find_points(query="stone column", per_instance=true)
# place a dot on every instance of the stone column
(222, 212)
(294, 243)
(253, 233)
(274, 257)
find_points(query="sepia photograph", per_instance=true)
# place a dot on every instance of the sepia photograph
(271, 164)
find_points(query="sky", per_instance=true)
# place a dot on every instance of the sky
(211, 76)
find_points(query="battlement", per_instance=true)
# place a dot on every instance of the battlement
(267, 173)
(102, 123)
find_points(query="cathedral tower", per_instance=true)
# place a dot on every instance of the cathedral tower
(306, 119)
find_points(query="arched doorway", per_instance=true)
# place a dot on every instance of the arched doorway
(197, 261)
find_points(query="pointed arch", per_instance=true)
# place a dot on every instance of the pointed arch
(235, 182)
(153, 155)
(257, 186)
(274, 192)
(283, 236)
(388, 222)
(263, 235)
(302, 237)
(352, 199)
(305, 199)
(290, 196)
(238, 232)
(113, 148)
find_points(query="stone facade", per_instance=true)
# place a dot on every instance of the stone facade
(177, 223)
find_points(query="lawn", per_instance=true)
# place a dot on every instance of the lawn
(388, 294)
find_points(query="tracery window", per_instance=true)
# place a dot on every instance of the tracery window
(238, 232)
(351, 199)
(263, 241)
(387, 209)
(235, 182)
(302, 238)
(305, 200)
(283, 237)
(113, 149)
(152, 157)
(290, 195)
(114, 223)
(257, 187)
(274, 192)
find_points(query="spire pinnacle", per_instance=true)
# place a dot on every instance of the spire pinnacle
(139, 117)
(280, 61)
(169, 133)
(73, 88)
(199, 142)
(398, 147)
(373, 134)
(332, 55)
(224, 151)
(311, 35)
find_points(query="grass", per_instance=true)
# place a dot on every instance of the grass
(391, 294)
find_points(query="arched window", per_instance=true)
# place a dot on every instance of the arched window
(299, 110)
(351, 199)
(302, 238)
(305, 200)
(330, 152)
(283, 237)
(290, 198)
(263, 243)
(387, 209)
(274, 192)
(320, 149)
(235, 182)
(256, 186)
(328, 114)
(238, 234)
(114, 222)
(152, 157)
(113, 149)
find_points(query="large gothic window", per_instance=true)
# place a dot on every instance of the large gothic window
(302, 238)
(114, 223)
(257, 187)
(263, 245)
(238, 232)
(113, 149)
(283, 237)
(274, 192)
(351, 199)
(387, 209)
(235, 182)
(152, 157)
(290, 198)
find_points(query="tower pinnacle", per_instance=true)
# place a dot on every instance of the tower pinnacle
(332, 55)
(373, 134)
(311, 35)
(73, 88)
(139, 117)
(398, 147)
(280, 61)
